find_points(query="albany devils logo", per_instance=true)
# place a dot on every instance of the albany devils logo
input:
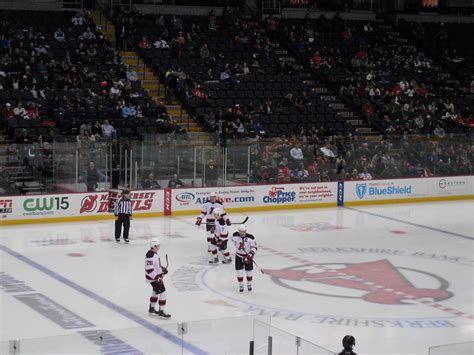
(379, 281)
(89, 203)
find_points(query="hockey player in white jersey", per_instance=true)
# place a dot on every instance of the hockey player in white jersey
(207, 212)
(220, 238)
(245, 249)
(154, 273)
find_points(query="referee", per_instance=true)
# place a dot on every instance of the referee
(123, 215)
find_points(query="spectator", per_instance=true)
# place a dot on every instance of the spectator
(20, 111)
(118, 59)
(78, 20)
(88, 34)
(283, 175)
(150, 183)
(131, 74)
(128, 111)
(32, 111)
(108, 131)
(211, 174)
(204, 52)
(59, 35)
(161, 44)
(8, 111)
(175, 182)
(92, 177)
(144, 43)
(296, 153)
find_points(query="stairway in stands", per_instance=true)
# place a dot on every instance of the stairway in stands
(151, 83)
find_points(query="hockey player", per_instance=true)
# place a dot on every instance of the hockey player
(154, 273)
(245, 249)
(219, 241)
(206, 212)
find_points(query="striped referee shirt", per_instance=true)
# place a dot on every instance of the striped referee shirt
(123, 206)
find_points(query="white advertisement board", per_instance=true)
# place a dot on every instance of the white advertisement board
(75, 205)
(256, 196)
(399, 189)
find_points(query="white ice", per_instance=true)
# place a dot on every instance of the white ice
(425, 248)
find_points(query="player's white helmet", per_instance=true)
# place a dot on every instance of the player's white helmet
(213, 195)
(242, 229)
(217, 213)
(155, 242)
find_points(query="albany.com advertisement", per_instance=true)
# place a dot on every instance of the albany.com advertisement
(256, 197)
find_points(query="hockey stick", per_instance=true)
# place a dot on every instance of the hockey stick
(243, 222)
(166, 257)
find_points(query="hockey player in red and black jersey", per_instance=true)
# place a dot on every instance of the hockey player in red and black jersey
(245, 249)
(220, 238)
(154, 273)
(207, 212)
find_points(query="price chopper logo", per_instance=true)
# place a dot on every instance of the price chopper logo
(279, 195)
(379, 281)
(362, 189)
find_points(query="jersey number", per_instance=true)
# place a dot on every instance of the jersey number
(149, 262)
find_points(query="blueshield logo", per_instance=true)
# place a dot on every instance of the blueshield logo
(361, 189)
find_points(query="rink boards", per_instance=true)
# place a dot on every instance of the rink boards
(155, 203)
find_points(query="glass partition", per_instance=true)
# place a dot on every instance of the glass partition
(88, 166)
(271, 340)
(466, 348)
(214, 336)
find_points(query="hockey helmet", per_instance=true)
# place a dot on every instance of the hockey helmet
(242, 229)
(155, 242)
(348, 342)
(213, 194)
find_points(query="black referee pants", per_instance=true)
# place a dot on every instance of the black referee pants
(125, 220)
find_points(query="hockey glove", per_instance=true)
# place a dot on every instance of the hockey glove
(228, 222)
(198, 221)
(159, 278)
(218, 243)
(248, 259)
(164, 270)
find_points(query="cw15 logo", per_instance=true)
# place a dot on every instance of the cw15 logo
(46, 204)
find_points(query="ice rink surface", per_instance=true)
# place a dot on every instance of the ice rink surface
(399, 278)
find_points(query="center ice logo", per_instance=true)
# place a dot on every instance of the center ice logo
(381, 282)
(361, 189)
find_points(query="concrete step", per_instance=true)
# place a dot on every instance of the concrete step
(355, 122)
(195, 129)
(345, 114)
(365, 130)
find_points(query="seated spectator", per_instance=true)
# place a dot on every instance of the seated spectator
(118, 59)
(131, 74)
(283, 175)
(8, 111)
(175, 182)
(301, 173)
(128, 111)
(204, 52)
(150, 182)
(161, 44)
(88, 34)
(59, 35)
(144, 43)
(78, 20)
(296, 153)
(32, 111)
(20, 111)
(108, 131)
